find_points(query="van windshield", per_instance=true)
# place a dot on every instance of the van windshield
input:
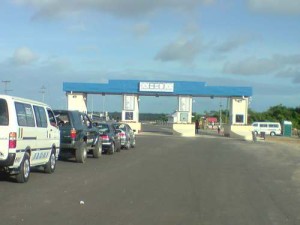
(3, 113)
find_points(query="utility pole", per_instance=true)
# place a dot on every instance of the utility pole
(6, 82)
(43, 91)
(220, 114)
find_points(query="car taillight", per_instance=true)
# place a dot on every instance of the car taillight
(73, 133)
(104, 137)
(12, 142)
(121, 134)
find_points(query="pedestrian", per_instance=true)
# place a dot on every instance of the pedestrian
(219, 129)
(197, 126)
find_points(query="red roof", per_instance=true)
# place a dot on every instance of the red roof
(212, 119)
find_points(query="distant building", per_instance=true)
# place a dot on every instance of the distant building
(211, 120)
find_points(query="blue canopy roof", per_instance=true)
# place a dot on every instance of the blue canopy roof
(157, 88)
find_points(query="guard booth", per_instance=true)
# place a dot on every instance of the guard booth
(287, 128)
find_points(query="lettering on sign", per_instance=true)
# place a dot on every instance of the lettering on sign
(157, 86)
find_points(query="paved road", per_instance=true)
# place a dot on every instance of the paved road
(165, 180)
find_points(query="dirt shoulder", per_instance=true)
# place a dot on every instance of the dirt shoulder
(284, 140)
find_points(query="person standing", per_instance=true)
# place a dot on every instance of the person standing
(197, 126)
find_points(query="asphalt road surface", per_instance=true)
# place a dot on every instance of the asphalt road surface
(165, 180)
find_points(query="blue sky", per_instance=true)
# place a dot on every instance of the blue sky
(221, 42)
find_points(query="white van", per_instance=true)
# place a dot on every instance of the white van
(270, 128)
(29, 137)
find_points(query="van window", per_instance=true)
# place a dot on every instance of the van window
(40, 116)
(24, 114)
(263, 125)
(4, 119)
(255, 125)
(274, 125)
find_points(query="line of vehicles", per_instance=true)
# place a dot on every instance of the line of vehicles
(34, 135)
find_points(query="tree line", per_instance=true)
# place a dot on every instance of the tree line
(278, 113)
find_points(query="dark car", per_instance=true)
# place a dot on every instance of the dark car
(77, 135)
(126, 135)
(109, 136)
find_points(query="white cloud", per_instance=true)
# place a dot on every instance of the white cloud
(293, 73)
(262, 66)
(275, 6)
(182, 50)
(140, 29)
(24, 56)
(128, 8)
(234, 43)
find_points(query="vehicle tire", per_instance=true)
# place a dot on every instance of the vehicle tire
(81, 153)
(24, 173)
(127, 145)
(51, 164)
(112, 149)
(133, 144)
(97, 151)
(118, 149)
(272, 133)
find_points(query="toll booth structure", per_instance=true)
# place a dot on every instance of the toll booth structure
(131, 90)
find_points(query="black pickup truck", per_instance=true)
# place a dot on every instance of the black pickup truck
(77, 135)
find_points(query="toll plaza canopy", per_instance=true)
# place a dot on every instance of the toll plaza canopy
(155, 88)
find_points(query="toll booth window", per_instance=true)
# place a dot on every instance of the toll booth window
(239, 118)
(128, 115)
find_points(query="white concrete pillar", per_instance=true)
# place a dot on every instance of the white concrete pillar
(238, 110)
(184, 112)
(130, 112)
(77, 101)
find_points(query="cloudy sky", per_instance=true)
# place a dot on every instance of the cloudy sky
(252, 43)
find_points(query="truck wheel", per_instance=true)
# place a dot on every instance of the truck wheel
(272, 133)
(81, 153)
(133, 144)
(118, 148)
(24, 173)
(51, 164)
(127, 145)
(112, 148)
(97, 151)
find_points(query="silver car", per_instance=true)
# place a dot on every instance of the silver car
(126, 135)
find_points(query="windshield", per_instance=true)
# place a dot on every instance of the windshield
(103, 128)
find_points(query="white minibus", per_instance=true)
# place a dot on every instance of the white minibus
(29, 137)
(270, 128)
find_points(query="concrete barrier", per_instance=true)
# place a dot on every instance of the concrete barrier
(185, 130)
(243, 132)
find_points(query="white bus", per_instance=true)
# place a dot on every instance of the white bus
(270, 128)
(29, 137)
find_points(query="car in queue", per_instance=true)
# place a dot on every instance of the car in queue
(126, 134)
(78, 136)
(110, 137)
